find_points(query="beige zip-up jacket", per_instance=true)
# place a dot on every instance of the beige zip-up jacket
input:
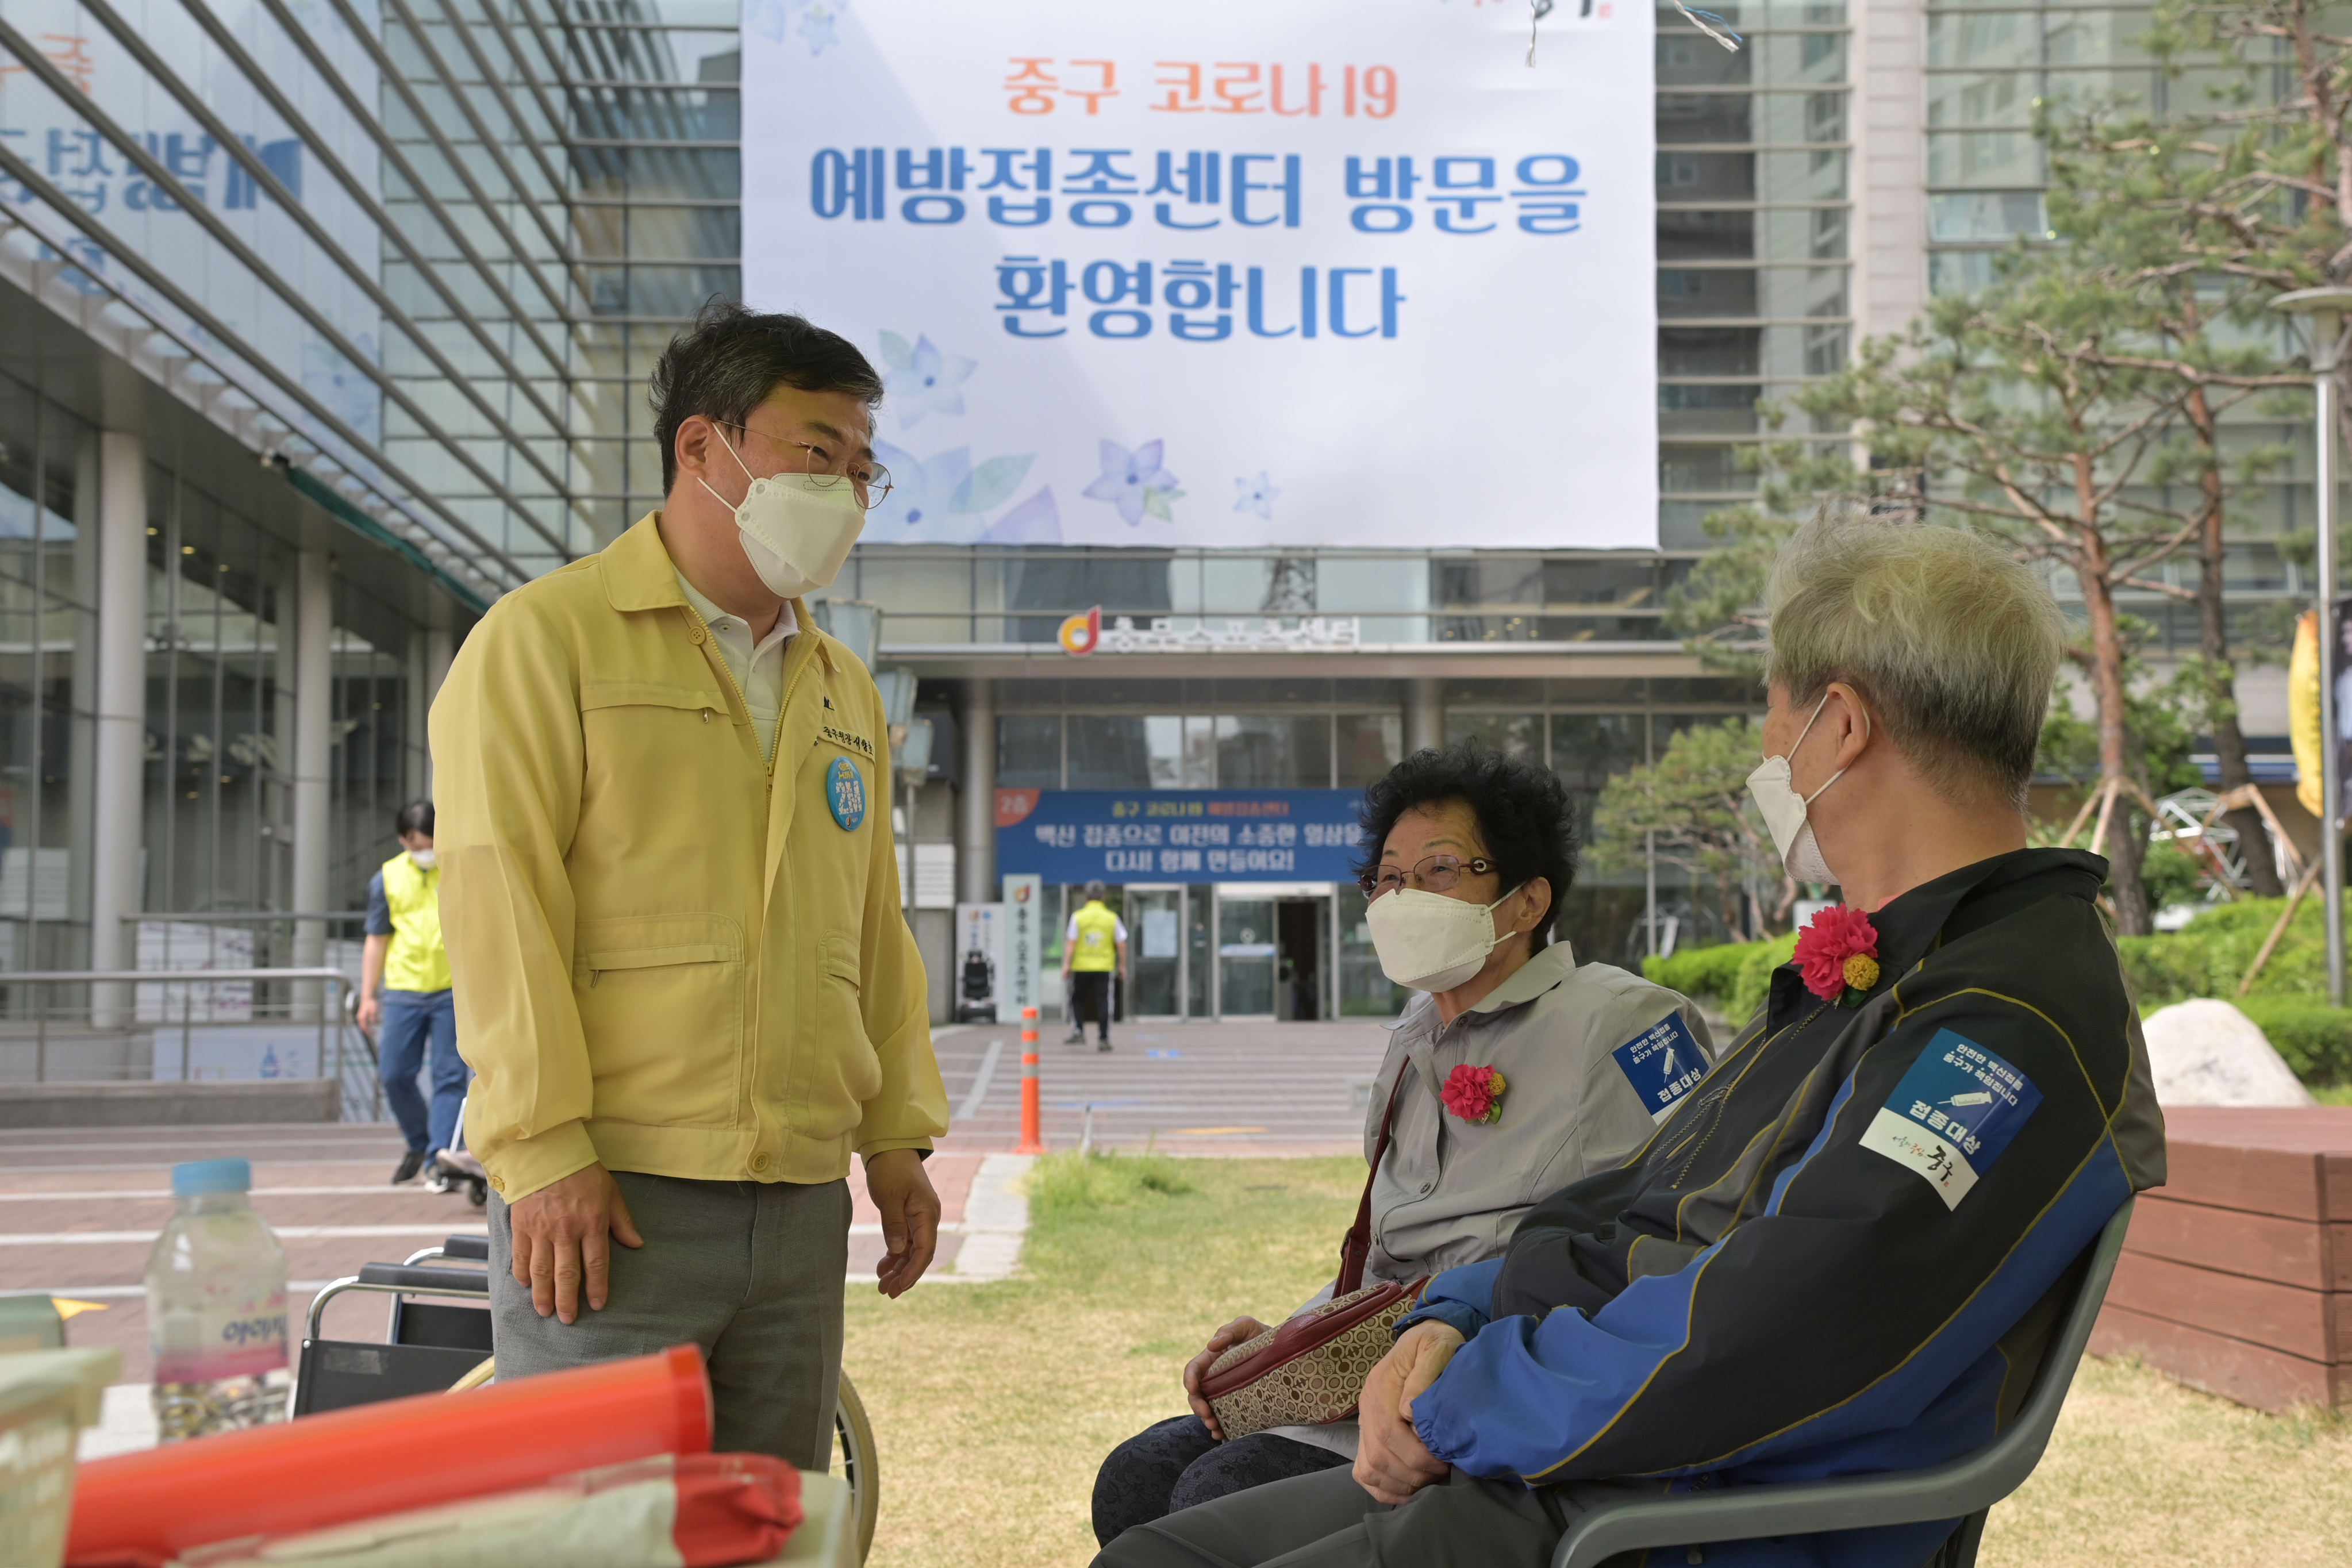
(1590, 1073)
(671, 953)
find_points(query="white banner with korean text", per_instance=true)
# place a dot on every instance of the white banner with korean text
(1328, 272)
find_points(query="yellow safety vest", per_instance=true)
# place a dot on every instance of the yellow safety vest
(417, 960)
(1097, 939)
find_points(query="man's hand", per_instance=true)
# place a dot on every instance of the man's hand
(1391, 1461)
(370, 1014)
(560, 1239)
(1196, 1369)
(910, 1217)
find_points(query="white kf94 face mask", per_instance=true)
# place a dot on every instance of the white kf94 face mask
(796, 528)
(423, 858)
(1784, 808)
(1428, 942)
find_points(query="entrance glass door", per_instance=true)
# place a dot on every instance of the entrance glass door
(1246, 951)
(1155, 924)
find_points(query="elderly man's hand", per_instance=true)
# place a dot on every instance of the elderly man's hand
(911, 1218)
(561, 1240)
(1391, 1461)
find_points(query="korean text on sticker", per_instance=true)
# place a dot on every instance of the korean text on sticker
(1663, 1063)
(1952, 1115)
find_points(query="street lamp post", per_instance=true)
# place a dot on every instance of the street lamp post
(2322, 311)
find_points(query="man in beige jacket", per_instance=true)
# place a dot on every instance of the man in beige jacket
(671, 905)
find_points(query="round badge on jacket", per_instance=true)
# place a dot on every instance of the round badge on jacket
(845, 792)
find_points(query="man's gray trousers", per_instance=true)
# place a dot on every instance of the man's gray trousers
(751, 1271)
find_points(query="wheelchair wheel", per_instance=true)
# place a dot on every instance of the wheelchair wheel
(854, 1446)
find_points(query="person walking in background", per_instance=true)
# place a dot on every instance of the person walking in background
(1094, 948)
(404, 997)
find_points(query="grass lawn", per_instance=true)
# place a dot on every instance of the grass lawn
(993, 1403)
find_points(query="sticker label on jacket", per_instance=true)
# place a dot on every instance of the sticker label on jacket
(845, 792)
(1952, 1115)
(1663, 1063)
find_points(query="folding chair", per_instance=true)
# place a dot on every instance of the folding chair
(1964, 1489)
(429, 1346)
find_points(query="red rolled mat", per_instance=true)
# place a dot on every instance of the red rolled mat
(383, 1458)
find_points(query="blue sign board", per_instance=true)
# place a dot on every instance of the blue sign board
(1178, 834)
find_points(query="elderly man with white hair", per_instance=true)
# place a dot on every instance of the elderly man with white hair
(1847, 1249)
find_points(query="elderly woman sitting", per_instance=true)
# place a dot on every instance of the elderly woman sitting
(1469, 852)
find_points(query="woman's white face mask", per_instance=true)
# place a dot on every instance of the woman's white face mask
(1427, 941)
(796, 528)
(1784, 808)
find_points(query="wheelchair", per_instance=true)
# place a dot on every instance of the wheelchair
(438, 1340)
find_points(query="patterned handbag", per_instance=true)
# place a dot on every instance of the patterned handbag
(1309, 1369)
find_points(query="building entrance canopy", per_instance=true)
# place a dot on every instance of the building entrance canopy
(1178, 834)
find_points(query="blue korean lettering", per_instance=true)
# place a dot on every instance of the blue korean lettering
(1455, 213)
(1546, 183)
(1195, 179)
(282, 159)
(940, 171)
(1029, 284)
(1390, 299)
(1097, 182)
(1242, 185)
(1005, 172)
(1190, 286)
(850, 183)
(1255, 285)
(1373, 188)
(1108, 283)
(82, 150)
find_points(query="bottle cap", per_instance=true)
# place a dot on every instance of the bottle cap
(211, 1176)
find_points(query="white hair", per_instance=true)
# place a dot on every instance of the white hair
(1952, 639)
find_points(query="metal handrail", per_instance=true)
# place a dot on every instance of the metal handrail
(230, 917)
(187, 1025)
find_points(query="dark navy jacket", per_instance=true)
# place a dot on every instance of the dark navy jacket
(1848, 1249)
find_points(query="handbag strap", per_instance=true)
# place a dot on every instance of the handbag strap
(1357, 1248)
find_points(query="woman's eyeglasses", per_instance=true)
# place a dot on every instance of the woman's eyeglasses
(1435, 874)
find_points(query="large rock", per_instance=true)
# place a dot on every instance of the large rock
(2207, 1053)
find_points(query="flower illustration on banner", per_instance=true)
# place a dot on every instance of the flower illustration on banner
(1255, 495)
(920, 379)
(1036, 521)
(944, 493)
(1135, 483)
(774, 18)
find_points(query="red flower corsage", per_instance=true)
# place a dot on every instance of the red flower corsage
(1473, 1094)
(1837, 955)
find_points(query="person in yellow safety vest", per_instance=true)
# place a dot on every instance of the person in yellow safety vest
(1093, 948)
(404, 997)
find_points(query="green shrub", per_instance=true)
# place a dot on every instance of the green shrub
(1704, 972)
(1066, 1184)
(1756, 977)
(1735, 976)
(2314, 1039)
(2207, 956)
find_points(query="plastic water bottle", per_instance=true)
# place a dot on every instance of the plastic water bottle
(216, 1307)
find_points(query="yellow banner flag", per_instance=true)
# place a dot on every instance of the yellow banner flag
(2303, 710)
